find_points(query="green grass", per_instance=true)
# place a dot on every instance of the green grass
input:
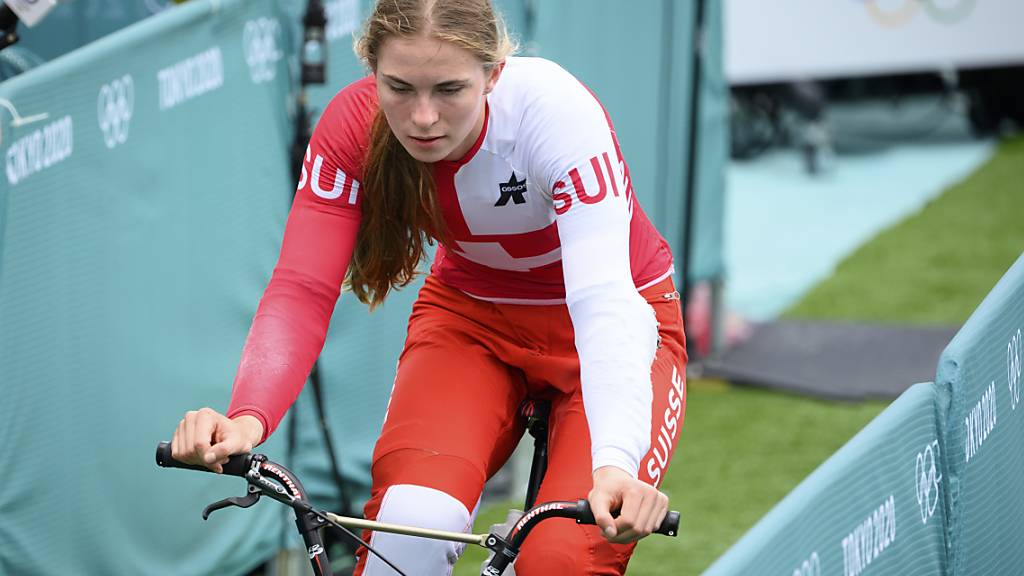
(742, 450)
(936, 266)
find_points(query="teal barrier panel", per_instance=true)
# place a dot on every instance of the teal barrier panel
(637, 59)
(979, 380)
(873, 508)
(74, 24)
(140, 222)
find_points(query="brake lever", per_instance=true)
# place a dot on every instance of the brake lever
(242, 502)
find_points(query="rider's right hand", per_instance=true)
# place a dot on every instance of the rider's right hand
(207, 437)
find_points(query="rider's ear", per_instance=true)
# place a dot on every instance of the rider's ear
(492, 76)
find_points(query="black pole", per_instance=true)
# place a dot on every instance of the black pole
(313, 62)
(313, 56)
(690, 191)
(8, 26)
(318, 390)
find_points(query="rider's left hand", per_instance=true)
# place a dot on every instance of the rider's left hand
(641, 506)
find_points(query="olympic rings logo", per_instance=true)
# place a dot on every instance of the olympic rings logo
(1013, 368)
(809, 567)
(261, 51)
(114, 108)
(897, 13)
(928, 478)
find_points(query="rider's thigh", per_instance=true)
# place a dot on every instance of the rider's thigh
(451, 422)
(560, 546)
(453, 395)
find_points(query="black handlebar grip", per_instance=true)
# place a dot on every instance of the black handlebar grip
(236, 465)
(669, 526)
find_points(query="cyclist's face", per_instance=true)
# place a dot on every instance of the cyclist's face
(432, 93)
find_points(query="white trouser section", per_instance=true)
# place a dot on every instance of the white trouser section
(423, 508)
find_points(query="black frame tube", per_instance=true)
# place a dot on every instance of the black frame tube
(691, 163)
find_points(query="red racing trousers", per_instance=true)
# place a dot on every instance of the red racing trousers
(453, 417)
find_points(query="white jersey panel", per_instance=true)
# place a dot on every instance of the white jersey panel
(510, 203)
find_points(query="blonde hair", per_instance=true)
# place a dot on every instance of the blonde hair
(401, 215)
(473, 25)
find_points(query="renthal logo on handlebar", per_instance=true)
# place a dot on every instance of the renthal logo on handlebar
(540, 510)
(283, 478)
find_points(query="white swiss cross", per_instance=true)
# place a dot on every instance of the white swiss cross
(494, 255)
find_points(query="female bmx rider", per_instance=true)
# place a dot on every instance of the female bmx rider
(549, 282)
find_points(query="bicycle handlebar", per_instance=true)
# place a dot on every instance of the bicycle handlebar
(239, 464)
(579, 511)
(508, 545)
(506, 548)
(236, 465)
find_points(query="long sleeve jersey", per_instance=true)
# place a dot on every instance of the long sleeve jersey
(540, 211)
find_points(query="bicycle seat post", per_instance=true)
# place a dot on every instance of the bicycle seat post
(536, 413)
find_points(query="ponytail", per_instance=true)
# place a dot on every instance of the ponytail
(401, 217)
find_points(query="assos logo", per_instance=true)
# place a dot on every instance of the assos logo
(928, 480)
(260, 40)
(114, 108)
(513, 190)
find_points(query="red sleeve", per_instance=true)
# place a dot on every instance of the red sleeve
(288, 331)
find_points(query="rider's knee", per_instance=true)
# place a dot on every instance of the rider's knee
(424, 508)
(560, 546)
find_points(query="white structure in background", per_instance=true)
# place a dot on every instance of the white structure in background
(784, 40)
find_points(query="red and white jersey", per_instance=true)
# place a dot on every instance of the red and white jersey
(540, 210)
(547, 153)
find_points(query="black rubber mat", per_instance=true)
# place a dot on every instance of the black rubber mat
(834, 360)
